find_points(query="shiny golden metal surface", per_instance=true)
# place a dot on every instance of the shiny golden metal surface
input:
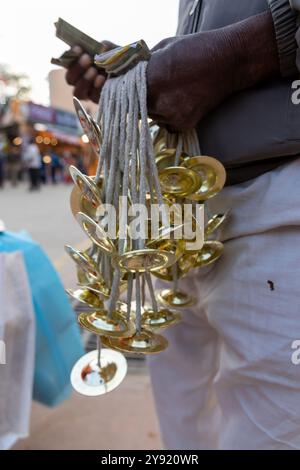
(144, 260)
(145, 342)
(90, 379)
(186, 262)
(84, 262)
(83, 278)
(86, 297)
(89, 126)
(176, 247)
(212, 173)
(214, 223)
(165, 159)
(165, 274)
(179, 181)
(79, 203)
(100, 288)
(97, 287)
(75, 197)
(161, 319)
(101, 324)
(96, 135)
(87, 186)
(96, 234)
(176, 299)
(160, 139)
(211, 251)
(121, 307)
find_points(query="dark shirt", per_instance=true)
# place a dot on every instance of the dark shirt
(260, 123)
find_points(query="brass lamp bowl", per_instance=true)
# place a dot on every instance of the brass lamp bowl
(79, 203)
(166, 159)
(89, 126)
(212, 173)
(145, 342)
(86, 296)
(84, 262)
(185, 263)
(214, 223)
(179, 181)
(147, 260)
(87, 186)
(96, 233)
(211, 252)
(100, 323)
(92, 378)
(176, 247)
(163, 318)
(176, 299)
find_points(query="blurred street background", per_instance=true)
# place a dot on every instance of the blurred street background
(36, 109)
(123, 419)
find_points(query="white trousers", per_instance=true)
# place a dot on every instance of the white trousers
(227, 380)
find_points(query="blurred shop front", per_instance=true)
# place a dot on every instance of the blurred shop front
(55, 131)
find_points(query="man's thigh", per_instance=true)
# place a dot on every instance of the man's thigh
(251, 298)
(182, 383)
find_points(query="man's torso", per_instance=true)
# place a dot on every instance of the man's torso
(256, 124)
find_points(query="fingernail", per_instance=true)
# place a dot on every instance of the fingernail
(77, 50)
(90, 74)
(85, 60)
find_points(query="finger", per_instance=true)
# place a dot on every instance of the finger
(90, 74)
(78, 69)
(85, 84)
(99, 81)
(82, 89)
(78, 50)
(95, 90)
(94, 94)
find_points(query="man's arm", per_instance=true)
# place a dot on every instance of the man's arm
(191, 75)
(194, 74)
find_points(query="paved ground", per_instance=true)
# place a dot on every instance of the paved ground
(123, 419)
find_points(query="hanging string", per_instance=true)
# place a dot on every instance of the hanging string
(128, 162)
(99, 347)
(175, 277)
(138, 310)
(178, 150)
(107, 104)
(129, 295)
(151, 291)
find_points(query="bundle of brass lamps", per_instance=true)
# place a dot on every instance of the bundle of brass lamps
(115, 276)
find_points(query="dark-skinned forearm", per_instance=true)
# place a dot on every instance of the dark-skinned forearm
(193, 74)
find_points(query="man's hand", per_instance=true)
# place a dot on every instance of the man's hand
(87, 79)
(191, 75)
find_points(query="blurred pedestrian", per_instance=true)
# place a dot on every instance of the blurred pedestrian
(2, 159)
(14, 164)
(2, 156)
(55, 167)
(33, 161)
(1, 169)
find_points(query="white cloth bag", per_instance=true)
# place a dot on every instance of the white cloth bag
(17, 347)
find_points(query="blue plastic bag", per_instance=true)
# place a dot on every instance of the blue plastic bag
(58, 341)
